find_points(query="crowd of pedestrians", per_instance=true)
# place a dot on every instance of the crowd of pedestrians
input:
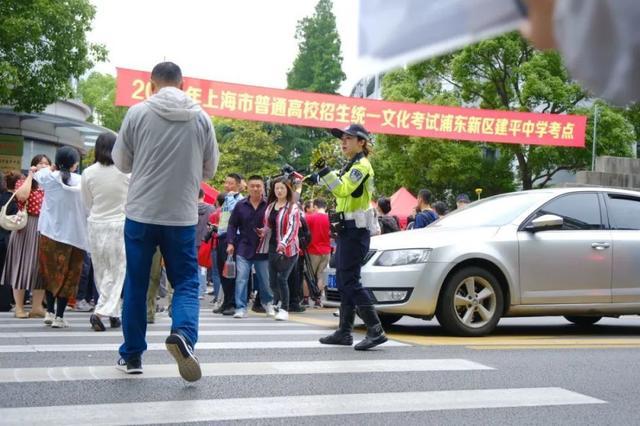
(132, 225)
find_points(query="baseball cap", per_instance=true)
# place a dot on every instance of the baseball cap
(356, 130)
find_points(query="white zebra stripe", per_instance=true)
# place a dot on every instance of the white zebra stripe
(292, 406)
(55, 374)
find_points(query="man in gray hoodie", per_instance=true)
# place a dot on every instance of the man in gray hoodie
(168, 145)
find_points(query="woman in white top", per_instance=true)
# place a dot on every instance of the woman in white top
(63, 233)
(104, 190)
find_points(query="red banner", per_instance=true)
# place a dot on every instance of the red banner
(396, 118)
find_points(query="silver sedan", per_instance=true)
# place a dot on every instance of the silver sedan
(573, 252)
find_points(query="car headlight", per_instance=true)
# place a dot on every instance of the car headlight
(402, 257)
(389, 296)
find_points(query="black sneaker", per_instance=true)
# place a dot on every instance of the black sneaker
(133, 366)
(96, 323)
(229, 311)
(182, 352)
(115, 322)
(305, 302)
(296, 308)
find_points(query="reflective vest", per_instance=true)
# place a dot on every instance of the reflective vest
(353, 186)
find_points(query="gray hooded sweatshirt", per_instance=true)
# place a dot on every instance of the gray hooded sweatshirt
(169, 146)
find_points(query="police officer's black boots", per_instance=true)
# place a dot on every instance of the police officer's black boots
(375, 334)
(342, 336)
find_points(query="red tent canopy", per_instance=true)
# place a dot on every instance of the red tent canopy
(402, 204)
(210, 193)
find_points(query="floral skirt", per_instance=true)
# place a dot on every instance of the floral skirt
(60, 267)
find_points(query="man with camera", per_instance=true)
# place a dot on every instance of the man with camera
(354, 221)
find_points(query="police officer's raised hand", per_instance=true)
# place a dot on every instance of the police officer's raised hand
(320, 163)
(312, 179)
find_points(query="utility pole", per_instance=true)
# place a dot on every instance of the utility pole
(595, 136)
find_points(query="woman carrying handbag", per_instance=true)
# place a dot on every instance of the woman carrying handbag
(21, 266)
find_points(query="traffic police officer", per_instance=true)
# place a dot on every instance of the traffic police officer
(354, 220)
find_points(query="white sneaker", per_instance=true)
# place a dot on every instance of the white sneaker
(270, 310)
(48, 318)
(282, 315)
(240, 313)
(59, 323)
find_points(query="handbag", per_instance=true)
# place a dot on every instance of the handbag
(281, 263)
(204, 254)
(14, 222)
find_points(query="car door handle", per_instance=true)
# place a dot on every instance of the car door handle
(600, 246)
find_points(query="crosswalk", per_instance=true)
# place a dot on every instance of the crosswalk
(253, 369)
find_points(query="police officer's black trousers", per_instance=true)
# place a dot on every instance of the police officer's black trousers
(353, 246)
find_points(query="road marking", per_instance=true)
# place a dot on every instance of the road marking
(293, 406)
(288, 344)
(65, 333)
(166, 324)
(488, 341)
(553, 347)
(85, 318)
(22, 375)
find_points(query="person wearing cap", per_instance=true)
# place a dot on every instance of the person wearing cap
(356, 221)
(462, 201)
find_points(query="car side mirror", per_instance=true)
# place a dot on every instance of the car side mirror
(545, 223)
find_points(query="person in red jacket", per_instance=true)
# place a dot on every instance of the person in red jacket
(320, 247)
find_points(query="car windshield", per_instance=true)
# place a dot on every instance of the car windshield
(494, 211)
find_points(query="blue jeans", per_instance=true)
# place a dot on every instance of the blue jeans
(202, 277)
(243, 266)
(178, 248)
(215, 275)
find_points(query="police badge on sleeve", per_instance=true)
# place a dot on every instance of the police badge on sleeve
(355, 175)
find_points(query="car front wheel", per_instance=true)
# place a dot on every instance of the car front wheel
(471, 302)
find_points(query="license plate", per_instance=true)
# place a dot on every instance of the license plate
(331, 281)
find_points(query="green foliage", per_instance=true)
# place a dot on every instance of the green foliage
(503, 73)
(245, 148)
(447, 168)
(89, 158)
(43, 46)
(99, 92)
(318, 66)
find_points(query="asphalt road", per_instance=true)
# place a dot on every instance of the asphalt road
(256, 370)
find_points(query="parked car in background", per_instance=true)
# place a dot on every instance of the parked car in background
(572, 252)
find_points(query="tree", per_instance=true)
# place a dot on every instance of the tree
(245, 148)
(506, 73)
(318, 66)
(99, 92)
(445, 167)
(43, 46)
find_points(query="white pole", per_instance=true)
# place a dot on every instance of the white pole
(595, 136)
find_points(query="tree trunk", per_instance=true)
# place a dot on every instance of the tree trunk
(525, 173)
